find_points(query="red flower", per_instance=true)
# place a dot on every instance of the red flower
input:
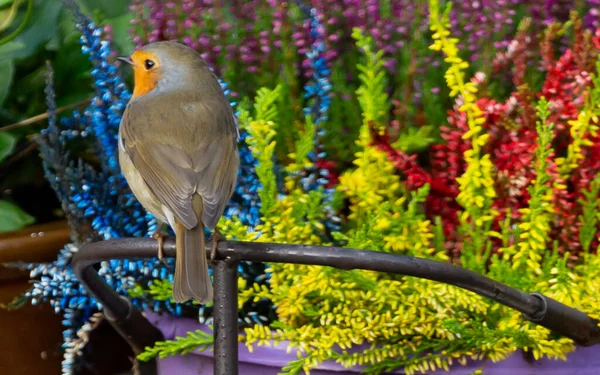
(511, 146)
(596, 39)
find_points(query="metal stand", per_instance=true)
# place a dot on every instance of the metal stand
(118, 310)
(139, 333)
(226, 317)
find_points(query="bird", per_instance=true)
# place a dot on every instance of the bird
(177, 147)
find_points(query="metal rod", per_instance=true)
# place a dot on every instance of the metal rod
(337, 257)
(226, 317)
(540, 309)
(124, 317)
(345, 258)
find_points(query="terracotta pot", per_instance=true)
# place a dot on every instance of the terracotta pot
(30, 336)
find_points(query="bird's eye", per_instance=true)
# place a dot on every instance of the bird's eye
(149, 64)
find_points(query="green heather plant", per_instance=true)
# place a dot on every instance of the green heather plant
(405, 322)
(348, 137)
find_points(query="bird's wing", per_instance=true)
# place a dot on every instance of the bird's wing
(216, 170)
(204, 162)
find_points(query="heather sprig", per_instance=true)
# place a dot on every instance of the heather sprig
(99, 205)
(491, 193)
(300, 158)
(535, 220)
(476, 185)
(580, 130)
(590, 216)
(313, 303)
(197, 340)
(261, 131)
(371, 93)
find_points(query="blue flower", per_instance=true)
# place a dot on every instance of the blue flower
(99, 204)
(317, 94)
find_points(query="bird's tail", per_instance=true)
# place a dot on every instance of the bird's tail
(191, 267)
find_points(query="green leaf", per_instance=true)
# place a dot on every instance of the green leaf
(589, 218)
(415, 140)
(12, 217)
(197, 340)
(40, 28)
(306, 142)
(7, 144)
(120, 29)
(371, 94)
(7, 70)
(161, 290)
(264, 105)
(136, 292)
(108, 8)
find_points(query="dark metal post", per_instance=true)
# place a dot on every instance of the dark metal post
(226, 317)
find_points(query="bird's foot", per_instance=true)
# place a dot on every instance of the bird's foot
(214, 239)
(159, 236)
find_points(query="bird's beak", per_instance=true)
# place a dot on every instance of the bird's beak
(125, 59)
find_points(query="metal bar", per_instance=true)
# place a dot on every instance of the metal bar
(226, 317)
(337, 257)
(540, 309)
(125, 318)
(348, 259)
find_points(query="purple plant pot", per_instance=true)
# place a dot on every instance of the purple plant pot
(269, 360)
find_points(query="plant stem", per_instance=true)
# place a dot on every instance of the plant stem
(42, 116)
(18, 30)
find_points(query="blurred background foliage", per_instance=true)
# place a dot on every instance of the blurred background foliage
(32, 32)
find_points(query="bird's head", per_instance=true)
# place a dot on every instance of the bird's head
(164, 66)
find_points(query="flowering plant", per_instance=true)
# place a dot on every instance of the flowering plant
(352, 135)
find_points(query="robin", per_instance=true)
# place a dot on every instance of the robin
(178, 152)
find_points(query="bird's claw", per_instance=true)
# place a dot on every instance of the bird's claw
(214, 239)
(160, 238)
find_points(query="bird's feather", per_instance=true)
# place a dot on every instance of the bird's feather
(191, 269)
(195, 154)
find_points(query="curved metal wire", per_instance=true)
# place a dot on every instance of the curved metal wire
(536, 307)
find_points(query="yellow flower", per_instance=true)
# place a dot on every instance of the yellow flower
(476, 185)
